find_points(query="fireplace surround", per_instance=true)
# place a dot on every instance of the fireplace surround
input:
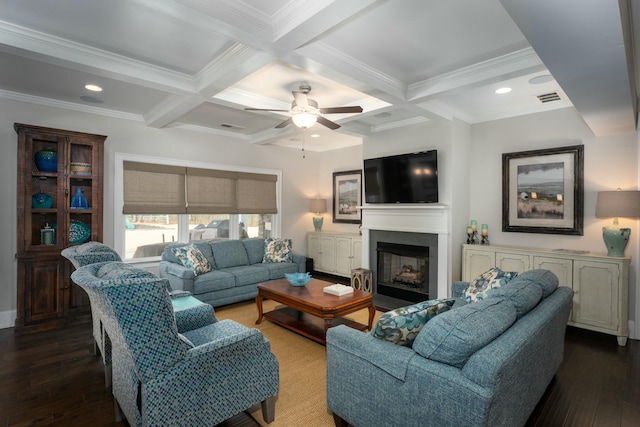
(424, 229)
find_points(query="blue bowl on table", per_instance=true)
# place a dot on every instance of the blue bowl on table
(298, 279)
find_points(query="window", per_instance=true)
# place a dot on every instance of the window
(197, 202)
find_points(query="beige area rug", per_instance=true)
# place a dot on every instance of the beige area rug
(302, 396)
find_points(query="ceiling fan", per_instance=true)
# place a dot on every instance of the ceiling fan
(305, 112)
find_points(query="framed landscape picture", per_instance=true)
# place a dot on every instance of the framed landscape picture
(347, 196)
(542, 191)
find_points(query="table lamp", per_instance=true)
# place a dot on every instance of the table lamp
(616, 204)
(318, 206)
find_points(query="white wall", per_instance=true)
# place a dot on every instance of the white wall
(300, 176)
(609, 162)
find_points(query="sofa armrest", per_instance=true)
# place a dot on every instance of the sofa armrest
(180, 278)
(391, 358)
(458, 288)
(301, 261)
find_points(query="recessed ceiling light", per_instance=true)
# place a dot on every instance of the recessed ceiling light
(503, 90)
(315, 135)
(545, 78)
(93, 88)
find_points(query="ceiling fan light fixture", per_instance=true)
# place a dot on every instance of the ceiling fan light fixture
(304, 120)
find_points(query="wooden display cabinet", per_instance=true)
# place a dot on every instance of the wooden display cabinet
(46, 296)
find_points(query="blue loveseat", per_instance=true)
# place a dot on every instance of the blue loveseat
(237, 270)
(485, 363)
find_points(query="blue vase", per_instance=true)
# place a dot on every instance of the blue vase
(46, 160)
(41, 201)
(79, 201)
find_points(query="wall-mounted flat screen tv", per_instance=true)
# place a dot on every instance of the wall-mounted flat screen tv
(404, 178)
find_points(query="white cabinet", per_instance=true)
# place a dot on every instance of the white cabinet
(335, 253)
(600, 283)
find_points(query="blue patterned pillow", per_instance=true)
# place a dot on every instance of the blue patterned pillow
(193, 258)
(401, 326)
(277, 250)
(494, 278)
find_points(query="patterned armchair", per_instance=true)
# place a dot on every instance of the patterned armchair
(191, 313)
(199, 377)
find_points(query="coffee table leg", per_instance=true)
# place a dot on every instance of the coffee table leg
(372, 312)
(259, 304)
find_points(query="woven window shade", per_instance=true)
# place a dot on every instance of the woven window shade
(153, 189)
(211, 191)
(257, 193)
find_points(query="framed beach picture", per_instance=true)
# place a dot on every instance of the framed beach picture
(542, 191)
(347, 196)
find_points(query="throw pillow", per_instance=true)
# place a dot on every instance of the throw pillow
(491, 279)
(191, 257)
(401, 326)
(277, 250)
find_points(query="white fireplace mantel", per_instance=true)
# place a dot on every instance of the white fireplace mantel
(431, 218)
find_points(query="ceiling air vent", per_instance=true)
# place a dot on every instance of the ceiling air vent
(230, 126)
(549, 97)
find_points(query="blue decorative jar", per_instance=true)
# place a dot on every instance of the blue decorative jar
(47, 160)
(41, 201)
(79, 201)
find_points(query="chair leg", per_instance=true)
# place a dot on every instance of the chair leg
(339, 421)
(118, 411)
(269, 409)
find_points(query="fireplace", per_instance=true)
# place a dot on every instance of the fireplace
(402, 271)
(412, 244)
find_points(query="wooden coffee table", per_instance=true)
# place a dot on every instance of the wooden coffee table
(309, 311)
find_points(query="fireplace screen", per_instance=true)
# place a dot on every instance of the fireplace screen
(403, 271)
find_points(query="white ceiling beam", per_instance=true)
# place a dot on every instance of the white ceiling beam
(582, 44)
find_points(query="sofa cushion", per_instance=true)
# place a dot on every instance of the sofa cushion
(454, 336)
(248, 274)
(402, 325)
(255, 249)
(546, 279)
(491, 279)
(192, 257)
(524, 295)
(277, 250)
(229, 253)
(277, 270)
(214, 280)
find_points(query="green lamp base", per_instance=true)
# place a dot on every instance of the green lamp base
(317, 223)
(616, 240)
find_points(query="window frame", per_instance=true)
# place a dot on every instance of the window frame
(119, 228)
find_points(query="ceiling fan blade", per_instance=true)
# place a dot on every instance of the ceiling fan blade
(328, 123)
(284, 124)
(264, 109)
(301, 99)
(334, 110)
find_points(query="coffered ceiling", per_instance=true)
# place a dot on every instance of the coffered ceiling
(198, 64)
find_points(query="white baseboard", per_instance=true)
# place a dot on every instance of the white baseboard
(7, 319)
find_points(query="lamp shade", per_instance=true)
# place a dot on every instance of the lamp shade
(318, 205)
(618, 204)
(304, 120)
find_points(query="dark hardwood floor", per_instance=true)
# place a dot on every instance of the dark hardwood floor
(52, 378)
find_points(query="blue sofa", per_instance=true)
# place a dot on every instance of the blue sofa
(238, 269)
(485, 363)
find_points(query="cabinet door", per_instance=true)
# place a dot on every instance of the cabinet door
(563, 268)
(596, 288)
(476, 262)
(513, 262)
(327, 260)
(356, 252)
(44, 289)
(344, 257)
(314, 247)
